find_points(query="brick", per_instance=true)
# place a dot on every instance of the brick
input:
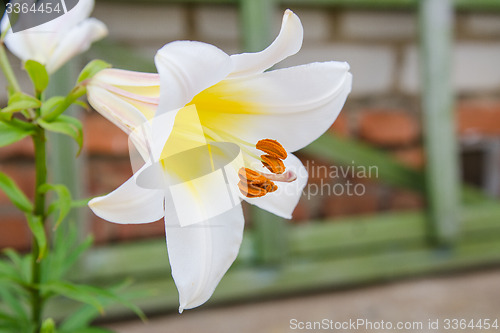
(303, 212)
(23, 175)
(15, 232)
(341, 126)
(318, 170)
(142, 22)
(388, 128)
(22, 148)
(108, 232)
(378, 25)
(102, 137)
(372, 66)
(345, 205)
(479, 118)
(105, 175)
(103, 231)
(482, 24)
(400, 200)
(474, 68)
(215, 23)
(412, 157)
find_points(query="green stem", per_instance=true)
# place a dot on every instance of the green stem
(7, 69)
(39, 210)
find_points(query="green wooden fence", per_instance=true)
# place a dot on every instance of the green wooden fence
(460, 229)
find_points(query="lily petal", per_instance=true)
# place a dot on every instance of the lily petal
(283, 201)
(201, 254)
(130, 204)
(131, 81)
(76, 41)
(292, 105)
(187, 68)
(117, 109)
(288, 42)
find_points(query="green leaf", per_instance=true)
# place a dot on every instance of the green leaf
(7, 318)
(10, 273)
(66, 125)
(80, 293)
(13, 301)
(63, 103)
(97, 297)
(38, 75)
(79, 319)
(92, 68)
(36, 226)
(20, 101)
(18, 198)
(84, 316)
(51, 104)
(9, 133)
(21, 263)
(48, 326)
(56, 105)
(63, 203)
(67, 249)
(14, 257)
(73, 255)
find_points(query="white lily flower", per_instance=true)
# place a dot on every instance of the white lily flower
(55, 42)
(267, 115)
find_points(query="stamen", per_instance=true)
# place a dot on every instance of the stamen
(251, 176)
(251, 190)
(271, 187)
(272, 147)
(286, 177)
(255, 184)
(273, 164)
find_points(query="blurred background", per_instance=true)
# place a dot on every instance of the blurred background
(403, 188)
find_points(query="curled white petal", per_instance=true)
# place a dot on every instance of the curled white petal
(130, 204)
(288, 42)
(187, 68)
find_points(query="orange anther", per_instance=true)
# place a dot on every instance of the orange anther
(250, 190)
(275, 165)
(251, 176)
(253, 184)
(269, 186)
(272, 147)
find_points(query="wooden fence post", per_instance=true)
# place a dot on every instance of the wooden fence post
(443, 191)
(270, 231)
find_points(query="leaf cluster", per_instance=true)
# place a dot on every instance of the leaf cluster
(58, 249)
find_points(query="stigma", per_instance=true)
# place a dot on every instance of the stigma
(254, 184)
